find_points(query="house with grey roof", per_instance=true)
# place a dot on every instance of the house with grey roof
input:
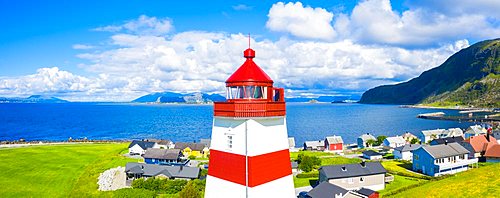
(405, 152)
(457, 139)
(328, 190)
(475, 130)
(442, 159)
(372, 155)
(136, 170)
(363, 140)
(169, 157)
(393, 142)
(314, 145)
(138, 147)
(164, 144)
(428, 135)
(206, 142)
(369, 175)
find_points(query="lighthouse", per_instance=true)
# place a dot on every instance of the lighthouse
(249, 154)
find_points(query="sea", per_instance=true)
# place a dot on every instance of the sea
(189, 123)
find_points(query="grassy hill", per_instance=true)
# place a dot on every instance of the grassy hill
(469, 77)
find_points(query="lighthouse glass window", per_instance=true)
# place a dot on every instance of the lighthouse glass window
(247, 92)
(230, 141)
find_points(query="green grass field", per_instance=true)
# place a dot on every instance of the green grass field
(293, 155)
(57, 170)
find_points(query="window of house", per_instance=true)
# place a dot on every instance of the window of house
(416, 157)
(361, 179)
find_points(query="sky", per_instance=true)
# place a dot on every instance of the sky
(120, 50)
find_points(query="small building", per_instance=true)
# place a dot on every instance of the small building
(457, 139)
(363, 140)
(372, 155)
(405, 152)
(393, 142)
(163, 144)
(192, 149)
(328, 190)
(442, 159)
(474, 130)
(454, 132)
(295, 166)
(137, 147)
(426, 136)
(477, 145)
(368, 193)
(334, 143)
(291, 143)
(493, 154)
(369, 175)
(408, 137)
(314, 145)
(205, 142)
(163, 156)
(136, 170)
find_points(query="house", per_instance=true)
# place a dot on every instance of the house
(493, 153)
(295, 166)
(192, 149)
(328, 190)
(163, 156)
(206, 142)
(496, 133)
(477, 145)
(334, 143)
(442, 159)
(137, 147)
(363, 140)
(474, 130)
(291, 144)
(369, 175)
(405, 152)
(163, 144)
(136, 170)
(426, 136)
(372, 155)
(457, 139)
(408, 137)
(454, 132)
(393, 142)
(314, 145)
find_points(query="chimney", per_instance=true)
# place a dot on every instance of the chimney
(363, 164)
(488, 135)
(344, 168)
(445, 141)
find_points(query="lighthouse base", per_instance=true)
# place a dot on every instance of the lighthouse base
(218, 188)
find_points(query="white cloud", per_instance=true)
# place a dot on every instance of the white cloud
(242, 7)
(300, 21)
(82, 46)
(144, 25)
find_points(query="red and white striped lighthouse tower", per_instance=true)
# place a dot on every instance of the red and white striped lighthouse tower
(249, 154)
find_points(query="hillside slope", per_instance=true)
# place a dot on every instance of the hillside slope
(471, 71)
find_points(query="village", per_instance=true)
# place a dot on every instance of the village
(328, 167)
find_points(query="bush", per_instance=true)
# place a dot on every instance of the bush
(192, 157)
(131, 192)
(308, 163)
(190, 191)
(308, 175)
(159, 185)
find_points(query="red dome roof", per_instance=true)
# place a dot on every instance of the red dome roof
(249, 72)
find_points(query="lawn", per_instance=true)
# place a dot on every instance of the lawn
(399, 183)
(293, 155)
(301, 182)
(57, 170)
(479, 182)
(401, 168)
(339, 160)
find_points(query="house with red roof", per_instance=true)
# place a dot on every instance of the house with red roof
(477, 145)
(492, 154)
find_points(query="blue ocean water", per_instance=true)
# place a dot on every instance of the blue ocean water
(192, 122)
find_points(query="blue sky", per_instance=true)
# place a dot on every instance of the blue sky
(111, 51)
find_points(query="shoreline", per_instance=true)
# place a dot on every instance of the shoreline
(446, 108)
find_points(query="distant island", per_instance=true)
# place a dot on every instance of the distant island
(33, 99)
(469, 78)
(173, 97)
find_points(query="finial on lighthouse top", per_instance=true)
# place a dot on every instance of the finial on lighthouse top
(249, 53)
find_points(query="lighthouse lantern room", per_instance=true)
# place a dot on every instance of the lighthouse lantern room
(249, 154)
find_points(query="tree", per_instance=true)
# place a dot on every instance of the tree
(192, 157)
(190, 191)
(414, 141)
(308, 163)
(370, 142)
(380, 139)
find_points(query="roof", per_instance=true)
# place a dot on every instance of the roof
(408, 147)
(170, 154)
(433, 132)
(143, 144)
(396, 139)
(371, 153)
(249, 71)
(365, 137)
(493, 151)
(206, 142)
(445, 150)
(480, 143)
(327, 190)
(365, 191)
(455, 132)
(294, 165)
(152, 170)
(447, 140)
(352, 170)
(160, 142)
(476, 129)
(314, 143)
(408, 135)
(334, 140)
(192, 146)
(291, 142)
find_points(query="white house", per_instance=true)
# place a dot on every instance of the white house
(405, 152)
(137, 147)
(372, 155)
(475, 131)
(393, 142)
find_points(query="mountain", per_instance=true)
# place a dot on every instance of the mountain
(324, 99)
(33, 99)
(469, 77)
(172, 97)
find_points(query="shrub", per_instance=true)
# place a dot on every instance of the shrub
(192, 157)
(190, 191)
(308, 163)
(308, 175)
(131, 192)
